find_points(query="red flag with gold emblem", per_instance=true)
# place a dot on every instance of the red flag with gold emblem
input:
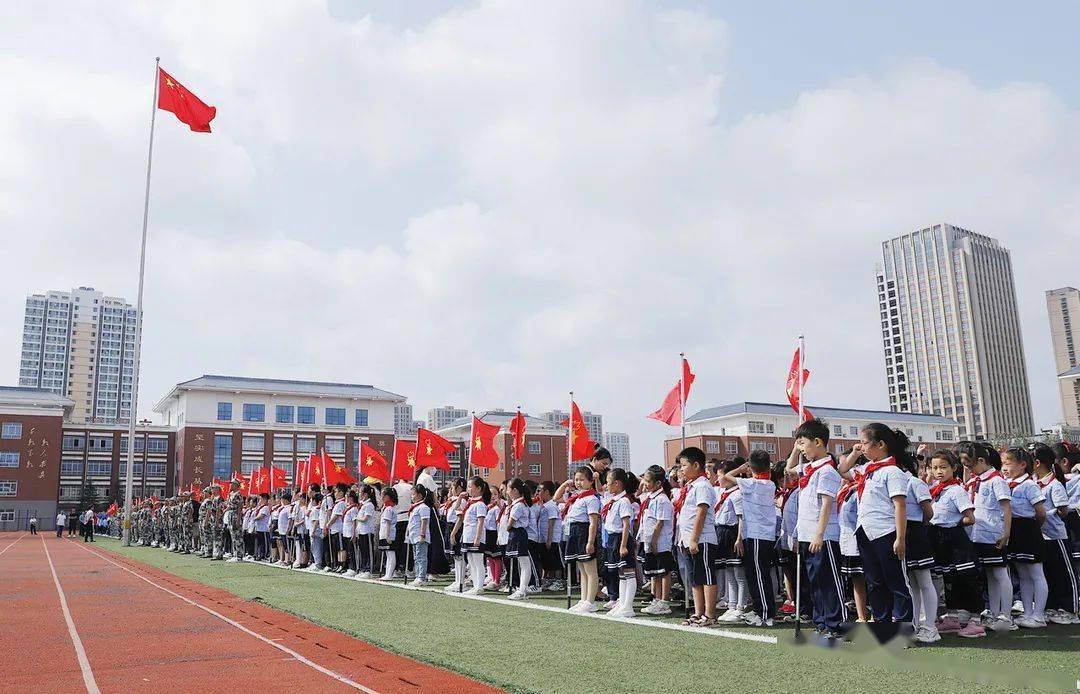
(334, 472)
(190, 109)
(517, 428)
(404, 462)
(373, 464)
(431, 449)
(581, 446)
(482, 451)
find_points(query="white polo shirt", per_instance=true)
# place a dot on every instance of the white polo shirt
(756, 505)
(697, 494)
(823, 481)
(877, 516)
(284, 513)
(950, 505)
(549, 511)
(473, 520)
(366, 519)
(348, 523)
(582, 508)
(989, 518)
(1025, 494)
(917, 493)
(421, 513)
(658, 511)
(1056, 497)
(619, 508)
(387, 523)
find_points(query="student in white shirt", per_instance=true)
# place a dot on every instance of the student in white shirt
(262, 528)
(391, 543)
(1063, 602)
(366, 522)
(61, 521)
(582, 514)
(989, 534)
(473, 515)
(818, 526)
(517, 545)
(335, 517)
(756, 508)
(955, 561)
(284, 529)
(1026, 545)
(619, 557)
(452, 510)
(728, 565)
(316, 531)
(418, 533)
(655, 518)
(549, 527)
(882, 532)
(697, 535)
(348, 533)
(493, 548)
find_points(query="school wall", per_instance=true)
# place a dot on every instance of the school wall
(38, 451)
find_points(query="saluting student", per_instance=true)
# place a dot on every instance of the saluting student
(473, 514)
(517, 545)
(728, 564)
(756, 541)
(348, 534)
(955, 560)
(582, 514)
(391, 543)
(919, 555)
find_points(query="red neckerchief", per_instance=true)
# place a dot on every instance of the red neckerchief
(450, 503)
(724, 497)
(973, 484)
(940, 487)
(1049, 480)
(789, 489)
(870, 470)
(685, 491)
(854, 483)
(645, 505)
(1013, 484)
(492, 505)
(418, 503)
(574, 497)
(608, 505)
(762, 475)
(388, 503)
(469, 503)
(809, 470)
(510, 508)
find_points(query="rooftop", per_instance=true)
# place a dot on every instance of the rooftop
(282, 386)
(769, 408)
(19, 395)
(1071, 373)
(503, 419)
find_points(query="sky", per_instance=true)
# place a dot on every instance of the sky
(490, 204)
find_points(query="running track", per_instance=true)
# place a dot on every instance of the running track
(79, 618)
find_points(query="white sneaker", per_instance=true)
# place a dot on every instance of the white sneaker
(924, 634)
(417, 583)
(349, 574)
(364, 574)
(296, 564)
(233, 560)
(751, 619)
(452, 588)
(589, 607)
(533, 590)
(579, 606)
(610, 605)
(519, 595)
(731, 616)
(1002, 624)
(658, 608)
(1030, 622)
(227, 555)
(622, 611)
(721, 604)
(478, 590)
(491, 585)
(1017, 607)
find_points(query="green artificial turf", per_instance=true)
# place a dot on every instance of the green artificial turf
(535, 651)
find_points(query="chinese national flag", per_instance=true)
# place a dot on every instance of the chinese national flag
(373, 464)
(431, 449)
(483, 453)
(276, 479)
(223, 487)
(175, 97)
(795, 385)
(517, 428)
(196, 493)
(581, 447)
(112, 510)
(404, 467)
(255, 482)
(671, 411)
(314, 470)
(335, 472)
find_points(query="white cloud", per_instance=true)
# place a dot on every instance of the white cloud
(576, 214)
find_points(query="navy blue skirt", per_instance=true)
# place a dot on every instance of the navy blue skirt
(953, 550)
(725, 547)
(919, 553)
(577, 543)
(1026, 544)
(613, 558)
(492, 548)
(518, 544)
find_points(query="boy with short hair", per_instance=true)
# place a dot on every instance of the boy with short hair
(697, 535)
(818, 527)
(755, 506)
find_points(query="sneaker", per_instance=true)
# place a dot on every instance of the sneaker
(228, 555)
(233, 560)
(478, 590)
(788, 608)
(452, 588)
(949, 625)
(418, 583)
(750, 618)
(1030, 622)
(519, 595)
(491, 585)
(661, 607)
(577, 606)
(533, 590)
(731, 616)
(623, 612)
(973, 630)
(925, 634)
(1003, 624)
(1017, 607)
(349, 574)
(589, 607)
(721, 604)
(610, 605)
(557, 586)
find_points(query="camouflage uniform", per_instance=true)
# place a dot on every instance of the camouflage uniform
(235, 520)
(206, 545)
(185, 524)
(216, 508)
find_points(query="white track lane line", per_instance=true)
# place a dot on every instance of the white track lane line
(285, 649)
(12, 544)
(717, 633)
(80, 652)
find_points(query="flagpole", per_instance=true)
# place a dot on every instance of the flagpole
(682, 399)
(514, 449)
(571, 569)
(570, 438)
(472, 439)
(133, 412)
(798, 547)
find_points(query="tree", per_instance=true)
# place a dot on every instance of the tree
(88, 497)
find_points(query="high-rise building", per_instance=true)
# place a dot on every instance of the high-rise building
(594, 423)
(1063, 307)
(442, 417)
(618, 444)
(81, 344)
(951, 331)
(404, 424)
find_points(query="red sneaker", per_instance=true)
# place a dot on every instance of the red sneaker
(787, 608)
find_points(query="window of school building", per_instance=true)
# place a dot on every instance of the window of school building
(11, 430)
(9, 459)
(534, 447)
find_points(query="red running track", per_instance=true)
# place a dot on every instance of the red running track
(142, 629)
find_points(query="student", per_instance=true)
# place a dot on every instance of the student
(697, 535)
(300, 530)
(262, 528)
(335, 515)
(549, 528)
(452, 510)
(1026, 547)
(817, 526)
(1063, 601)
(348, 534)
(472, 519)
(492, 548)
(366, 522)
(316, 531)
(955, 560)
(882, 531)
(989, 534)
(418, 532)
(536, 553)
(617, 515)
(582, 513)
(755, 506)
(787, 544)
(390, 542)
(847, 517)
(919, 555)
(285, 529)
(655, 523)
(728, 564)
(517, 545)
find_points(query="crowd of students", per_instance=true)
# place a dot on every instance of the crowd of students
(956, 540)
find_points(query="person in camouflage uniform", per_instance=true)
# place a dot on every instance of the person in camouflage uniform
(216, 511)
(234, 518)
(206, 544)
(186, 505)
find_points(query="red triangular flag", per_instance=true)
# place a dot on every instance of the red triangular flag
(175, 97)
(795, 385)
(482, 451)
(373, 464)
(431, 449)
(517, 428)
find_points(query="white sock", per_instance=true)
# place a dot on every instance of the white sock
(1033, 589)
(524, 573)
(923, 597)
(743, 596)
(476, 569)
(391, 564)
(627, 592)
(999, 589)
(459, 569)
(731, 589)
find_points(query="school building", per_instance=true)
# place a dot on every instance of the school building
(738, 429)
(545, 449)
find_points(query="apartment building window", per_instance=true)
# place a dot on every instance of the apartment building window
(11, 487)
(837, 430)
(71, 467)
(712, 446)
(731, 447)
(11, 430)
(101, 443)
(249, 466)
(284, 414)
(139, 444)
(534, 447)
(9, 459)
(854, 432)
(69, 492)
(759, 427)
(361, 418)
(534, 469)
(305, 445)
(157, 446)
(155, 469)
(335, 416)
(224, 411)
(305, 415)
(334, 445)
(839, 448)
(253, 443)
(770, 447)
(73, 443)
(98, 469)
(757, 445)
(7, 515)
(254, 412)
(283, 444)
